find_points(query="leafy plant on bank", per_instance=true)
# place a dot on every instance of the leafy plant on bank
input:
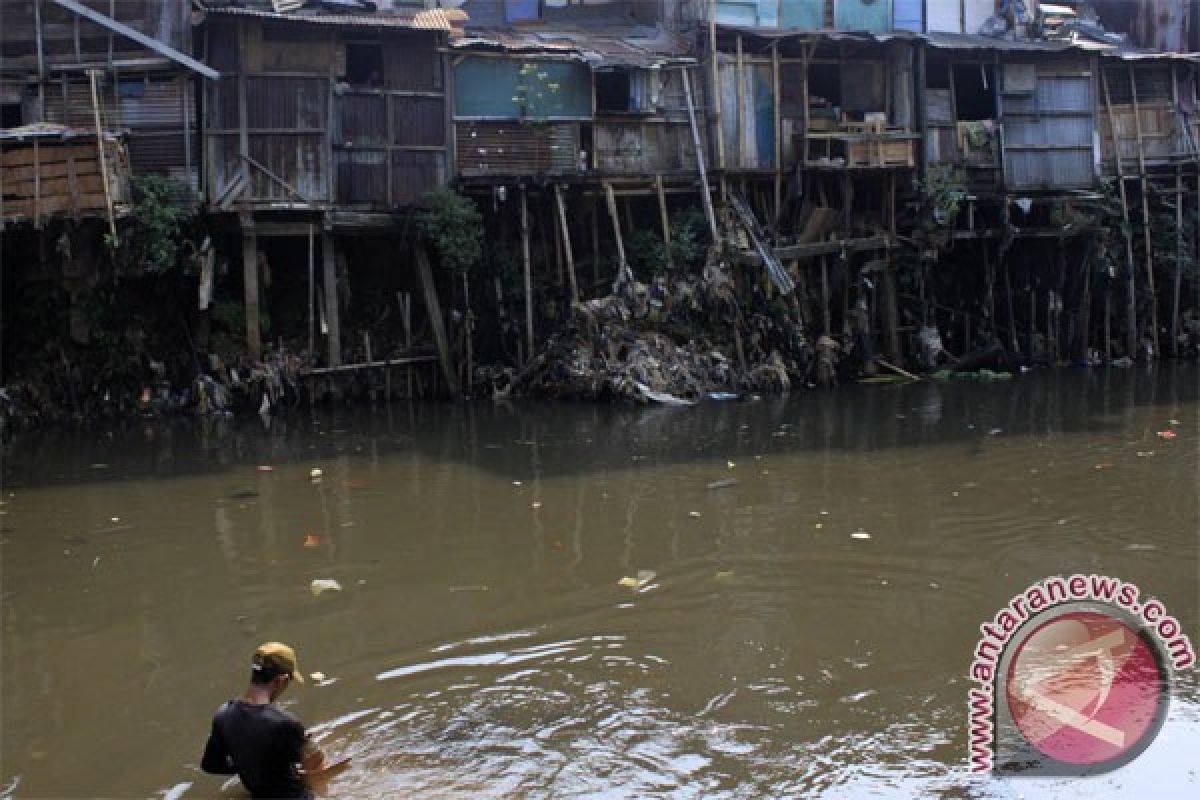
(453, 227)
(153, 237)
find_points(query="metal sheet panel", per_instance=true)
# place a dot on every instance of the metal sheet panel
(862, 15)
(802, 14)
(362, 177)
(414, 173)
(489, 88)
(360, 119)
(908, 15)
(513, 148)
(286, 103)
(976, 13)
(419, 121)
(737, 12)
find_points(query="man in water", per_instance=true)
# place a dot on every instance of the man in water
(261, 743)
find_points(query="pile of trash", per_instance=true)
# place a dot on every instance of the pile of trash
(671, 341)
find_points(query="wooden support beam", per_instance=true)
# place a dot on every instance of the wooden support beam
(666, 221)
(1130, 282)
(568, 250)
(100, 149)
(623, 265)
(1149, 245)
(148, 42)
(740, 112)
(526, 267)
(250, 289)
(434, 309)
(778, 122)
(1177, 290)
(814, 249)
(329, 271)
(704, 190)
(715, 95)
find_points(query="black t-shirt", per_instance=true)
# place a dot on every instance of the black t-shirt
(262, 744)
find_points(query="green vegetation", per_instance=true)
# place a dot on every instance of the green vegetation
(453, 227)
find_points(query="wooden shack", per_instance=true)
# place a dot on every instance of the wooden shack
(124, 64)
(323, 125)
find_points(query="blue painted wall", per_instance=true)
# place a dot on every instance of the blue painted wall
(862, 15)
(801, 13)
(487, 87)
(908, 15)
(520, 9)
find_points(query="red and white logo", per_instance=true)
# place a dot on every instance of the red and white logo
(1084, 688)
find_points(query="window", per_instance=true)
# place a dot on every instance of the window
(364, 64)
(613, 91)
(974, 92)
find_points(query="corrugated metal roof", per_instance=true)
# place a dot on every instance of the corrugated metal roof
(428, 20)
(968, 41)
(626, 46)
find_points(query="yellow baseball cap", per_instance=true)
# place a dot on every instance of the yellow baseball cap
(279, 658)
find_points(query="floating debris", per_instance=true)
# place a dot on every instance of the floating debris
(694, 514)
(312, 540)
(1167, 434)
(724, 483)
(317, 677)
(860, 534)
(644, 577)
(322, 585)
(315, 474)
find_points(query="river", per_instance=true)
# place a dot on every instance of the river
(801, 629)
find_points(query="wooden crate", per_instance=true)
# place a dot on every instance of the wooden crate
(880, 153)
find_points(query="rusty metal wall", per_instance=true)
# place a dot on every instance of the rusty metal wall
(360, 119)
(414, 173)
(362, 177)
(277, 103)
(510, 148)
(1048, 132)
(419, 121)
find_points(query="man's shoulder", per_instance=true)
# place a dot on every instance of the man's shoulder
(234, 709)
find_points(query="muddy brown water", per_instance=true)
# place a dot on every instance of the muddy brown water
(482, 646)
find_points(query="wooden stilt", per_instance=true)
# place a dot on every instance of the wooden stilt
(250, 288)
(103, 156)
(890, 312)
(1085, 313)
(434, 309)
(666, 222)
(595, 242)
(469, 331)
(825, 317)
(1177, 289)
(568, 251)
(1012, 317)
(1130, 282)
(525, 263)
(332, 320)
(706, 195)
(1147, 239)
(623, 265)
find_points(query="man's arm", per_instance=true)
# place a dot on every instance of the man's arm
(216, 760)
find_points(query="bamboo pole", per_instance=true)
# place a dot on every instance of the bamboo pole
(568, 251)
(666, 221)
(706, 195)
(716, 85)
(434, 309)
(775, 88)
(1131, 285)
(525, 263)
(1178, 287)
(614, 215)
(108, 204)
(740, 99)
(312, 296)
(1149, 245)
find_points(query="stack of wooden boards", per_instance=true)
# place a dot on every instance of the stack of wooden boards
(48, 170)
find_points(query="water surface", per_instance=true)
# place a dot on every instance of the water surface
(482, 646)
